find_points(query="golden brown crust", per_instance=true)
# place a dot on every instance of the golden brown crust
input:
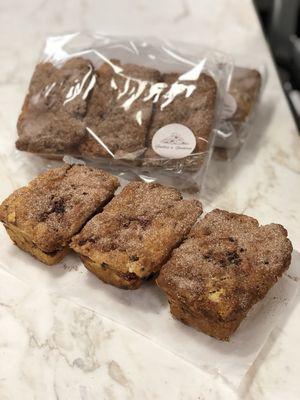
(227, 264)
(55, 205)
(138, 229)
(113, 277)
(25, 243)
(195, 110)
(221, 330)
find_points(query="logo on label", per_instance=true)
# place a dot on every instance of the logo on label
(174, 141)
(229, 106)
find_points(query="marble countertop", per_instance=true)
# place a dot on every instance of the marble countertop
(54, 349)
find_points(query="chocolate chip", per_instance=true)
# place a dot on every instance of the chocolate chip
(58, 207)
(42, 217)
(133, 258)
(129, 276)
(104, 265)
(143, 221)
(233, 257)
(231, 239)
(207, 256)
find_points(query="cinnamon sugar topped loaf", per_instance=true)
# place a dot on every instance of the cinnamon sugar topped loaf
(130, 240)
(42, 217)
(227, 264)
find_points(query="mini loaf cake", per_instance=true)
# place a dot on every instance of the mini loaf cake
(227, 264)
(191, 103)
(243, 97)
(119, 114)
(51, 121)
(42, 217)
(244, 87)
(133, 237)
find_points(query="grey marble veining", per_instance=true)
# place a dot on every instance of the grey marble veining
(53, 349)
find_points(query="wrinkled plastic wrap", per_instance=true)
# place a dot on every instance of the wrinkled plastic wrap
(126, 104)
(239, 107)
(53, 102)
(146, 310)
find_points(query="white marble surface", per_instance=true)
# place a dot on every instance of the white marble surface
(54, 349)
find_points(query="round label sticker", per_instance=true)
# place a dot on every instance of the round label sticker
(229, 106)
(174, 141)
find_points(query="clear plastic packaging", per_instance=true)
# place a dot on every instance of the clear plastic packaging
(240, 104)
(126, 104)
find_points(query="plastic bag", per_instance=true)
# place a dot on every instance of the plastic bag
(125, 104)
(240, 103)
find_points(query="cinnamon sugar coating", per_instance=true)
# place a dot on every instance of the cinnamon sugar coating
(119, 112)
(51, 121)
(227, 264)
(56, 204)
(135, 233)
(193, 106)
